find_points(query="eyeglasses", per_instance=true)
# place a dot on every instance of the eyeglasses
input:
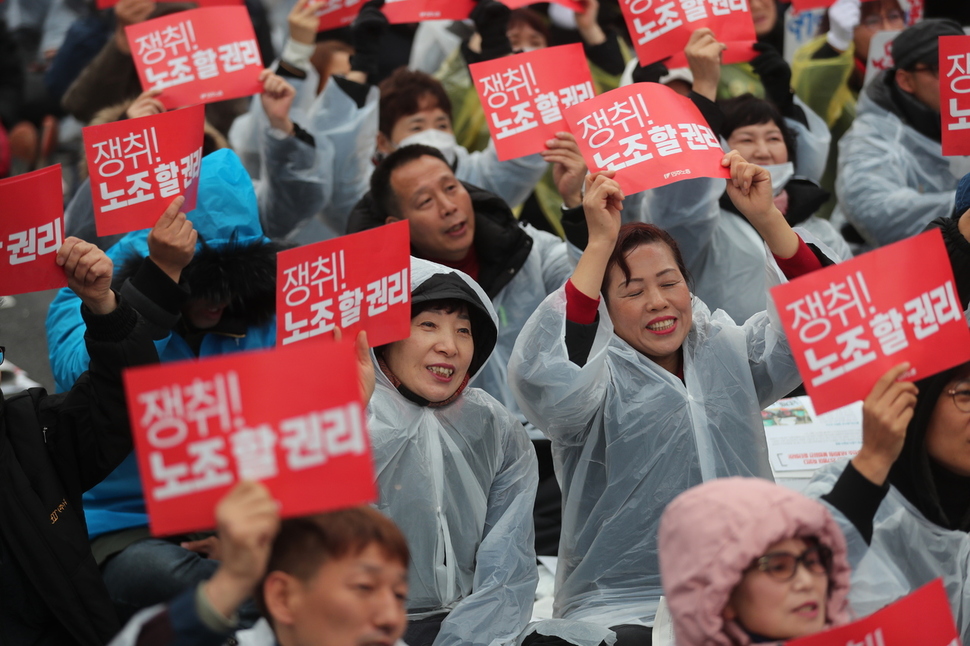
(782, 566)
(2, 350)
(877, 20)
(961, 396)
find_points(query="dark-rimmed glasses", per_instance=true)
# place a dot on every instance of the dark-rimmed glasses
(782, 566)
(961, 396)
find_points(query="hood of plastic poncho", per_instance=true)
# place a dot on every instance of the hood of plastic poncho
(233, 261)
(711, 533)
(431, 281)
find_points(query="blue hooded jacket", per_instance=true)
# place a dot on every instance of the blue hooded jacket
(225, 216)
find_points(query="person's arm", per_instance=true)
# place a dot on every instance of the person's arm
(504, 583)
(886, 412)
(601, 48)
(367, 30)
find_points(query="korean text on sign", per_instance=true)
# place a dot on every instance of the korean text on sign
(201, 427)
(661, 28)
(524, 95)
(648, 133)
(31, 231)
(923, 617)
(848, 324)
(355, 282)
(407, 11)
(138, 166)
(197, 56)
(955, 94)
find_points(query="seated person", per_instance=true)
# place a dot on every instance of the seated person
(52, 449)
(333, 579)
(207, 283)
(455, 469)
(746, 561)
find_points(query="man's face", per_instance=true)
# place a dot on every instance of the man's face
(923, 82)
(358, 600)
(438, 208)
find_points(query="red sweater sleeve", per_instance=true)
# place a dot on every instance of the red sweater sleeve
(803, 262)
(580, 308)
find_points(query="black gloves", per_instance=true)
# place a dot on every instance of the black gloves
(775, 77)
(368, 27)
(491, 22)
(652, 73)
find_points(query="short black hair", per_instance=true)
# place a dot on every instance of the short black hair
(749, 110)
(385, 199)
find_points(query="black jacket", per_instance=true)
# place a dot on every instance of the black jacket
(52, 449)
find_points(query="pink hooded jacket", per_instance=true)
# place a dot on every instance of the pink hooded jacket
(711, 533)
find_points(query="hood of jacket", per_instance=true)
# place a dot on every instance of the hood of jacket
(930, 487)
(233, 260)
(500, 242)
(711, 533)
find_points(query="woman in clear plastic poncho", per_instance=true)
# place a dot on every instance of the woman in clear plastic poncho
(455, 469)
(646, 394)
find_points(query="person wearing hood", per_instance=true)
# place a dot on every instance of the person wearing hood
(208, 283)
(644, 392)
(455, 469)
(746, 561)
(893, 179)
(723, 252)
(904, 501)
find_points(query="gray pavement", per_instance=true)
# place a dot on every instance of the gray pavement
(23, 332)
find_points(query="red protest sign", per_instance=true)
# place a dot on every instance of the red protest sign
(955, 94)
(197, 56)
(849, 323)
(648, 133)
(523, 96)
(355, 282)
(31, 231)
(337, 13)
(569, 4)
(138, 166)
(104, 4)
(661, 28)
(923, 617)
(804, 5)
(201, 426)
(405, 11)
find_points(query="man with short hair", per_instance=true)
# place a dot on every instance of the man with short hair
(893, 179)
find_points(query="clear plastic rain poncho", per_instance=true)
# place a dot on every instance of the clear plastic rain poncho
(460, 482)
(628, 436)
(907, 551)
(892, 180)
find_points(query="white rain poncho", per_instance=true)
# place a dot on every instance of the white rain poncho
(460, 482)
(628, 436)
(892, 180)
(907, 551)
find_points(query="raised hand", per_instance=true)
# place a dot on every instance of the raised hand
(569, 169)
(171, 242)
(886, 413)
(277, 98)
(89, 273)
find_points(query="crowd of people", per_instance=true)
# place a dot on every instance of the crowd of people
(585, 370)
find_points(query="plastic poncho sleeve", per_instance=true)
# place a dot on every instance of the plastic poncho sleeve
(504, 584)
(511, 180)
(558, 258)
(874, 192)
(555, 394)
(812, 143)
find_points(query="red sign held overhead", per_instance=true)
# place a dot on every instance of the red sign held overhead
(649, 134)
(849, 323)
(138, 166)
(804, 5)
(336, 13)
(201, 426)
(31, 231)
(524, 95)
(955, 94)
(575, 5)
(197, 56)
(923, 618)
(405, 11)
(355, 282)
(661, 28)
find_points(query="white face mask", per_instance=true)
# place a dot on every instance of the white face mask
(443, 141)
(780, 174)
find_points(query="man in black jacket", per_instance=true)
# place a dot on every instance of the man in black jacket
(52, 449)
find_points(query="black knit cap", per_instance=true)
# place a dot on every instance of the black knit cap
(919, 43)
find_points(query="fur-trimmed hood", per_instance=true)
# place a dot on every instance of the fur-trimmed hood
(233, 260)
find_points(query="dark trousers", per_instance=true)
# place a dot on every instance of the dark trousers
(626, 635)
(423, 632)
